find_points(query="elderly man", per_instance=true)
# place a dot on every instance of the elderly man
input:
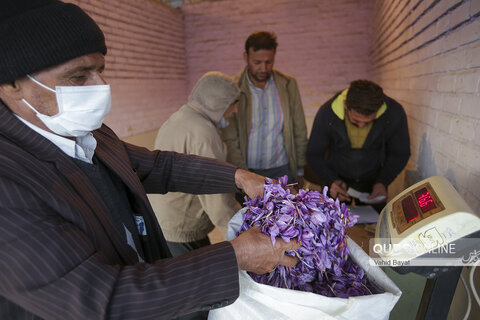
(78, 237)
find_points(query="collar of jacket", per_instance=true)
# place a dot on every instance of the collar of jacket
(376, 132)
(338, 106)
(73, 178)
(281, 83)
(16, 131)
(280, 80)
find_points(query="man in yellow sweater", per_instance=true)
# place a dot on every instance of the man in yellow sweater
(359, 139)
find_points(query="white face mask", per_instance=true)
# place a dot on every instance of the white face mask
(223, 123)
(81, 109)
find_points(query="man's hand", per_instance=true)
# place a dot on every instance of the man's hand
(338, 189)
(378, 189)
(256, 253)
(251, 183)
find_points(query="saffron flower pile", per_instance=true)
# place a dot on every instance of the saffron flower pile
(319, 223)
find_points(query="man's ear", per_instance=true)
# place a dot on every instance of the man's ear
(11, 90)
(245, 57)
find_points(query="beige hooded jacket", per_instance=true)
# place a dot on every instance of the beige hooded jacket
(194, 129)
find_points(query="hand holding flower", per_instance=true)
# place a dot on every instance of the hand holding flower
(256, 253)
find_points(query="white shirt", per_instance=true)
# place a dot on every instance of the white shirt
(82, 148)
(266, 145)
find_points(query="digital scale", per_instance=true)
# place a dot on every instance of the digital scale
(421, 230)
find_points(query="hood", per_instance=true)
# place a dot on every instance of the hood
(338, 106)
(213, 94)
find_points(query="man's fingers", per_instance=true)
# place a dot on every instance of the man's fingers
(251, 183)
(342, 193)
(338, 190)
(343, 196)
(288, 261)
(292, 245)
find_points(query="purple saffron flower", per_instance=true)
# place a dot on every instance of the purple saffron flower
(319, 223)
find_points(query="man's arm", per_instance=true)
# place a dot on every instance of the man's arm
(230, 136)
(318, 145)
(54, 268)
(397, 148)
(299, 127)
(164, 171)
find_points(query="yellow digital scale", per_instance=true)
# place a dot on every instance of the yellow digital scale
(429, 222)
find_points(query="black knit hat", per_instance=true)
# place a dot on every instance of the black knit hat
(36, 34)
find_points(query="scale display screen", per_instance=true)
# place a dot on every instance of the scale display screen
(409, 209)
(415, 206)
(425, 200)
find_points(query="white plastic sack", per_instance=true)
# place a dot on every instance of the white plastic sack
(259, 301)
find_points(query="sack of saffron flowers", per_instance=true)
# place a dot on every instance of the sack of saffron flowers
(319, 223)
(332, 279)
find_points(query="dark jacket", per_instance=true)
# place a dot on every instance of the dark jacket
(63, 257)
(384, 154)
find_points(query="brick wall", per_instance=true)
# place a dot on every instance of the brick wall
(145, 63)
(323, 43)
(426, 54)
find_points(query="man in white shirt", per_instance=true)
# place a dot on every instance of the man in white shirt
(268, 135)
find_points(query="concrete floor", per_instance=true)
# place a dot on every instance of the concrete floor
(412, 288)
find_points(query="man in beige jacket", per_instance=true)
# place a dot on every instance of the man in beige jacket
(268, 135)
(186, 219)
